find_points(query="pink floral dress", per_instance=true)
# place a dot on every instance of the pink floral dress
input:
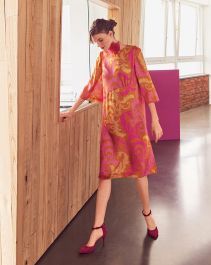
(122, 84)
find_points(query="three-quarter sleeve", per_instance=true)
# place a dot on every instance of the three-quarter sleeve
(93, 91)
(146, 85)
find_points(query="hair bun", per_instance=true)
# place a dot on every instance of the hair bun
(112, 23)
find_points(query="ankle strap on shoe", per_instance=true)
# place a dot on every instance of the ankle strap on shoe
(98, 226)
(146, 214)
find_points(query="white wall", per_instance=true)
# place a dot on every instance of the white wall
(207, 42)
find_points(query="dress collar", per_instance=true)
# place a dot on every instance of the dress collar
(114, 47)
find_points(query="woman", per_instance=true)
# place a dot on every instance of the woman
(123, 85)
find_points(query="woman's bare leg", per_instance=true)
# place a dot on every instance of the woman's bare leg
(103, 195)
(143, 190)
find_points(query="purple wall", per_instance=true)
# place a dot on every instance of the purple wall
(168, 108)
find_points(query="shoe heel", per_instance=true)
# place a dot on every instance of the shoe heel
(89, 249)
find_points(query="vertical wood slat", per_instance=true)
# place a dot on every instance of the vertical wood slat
(71, 187)
(79, 174)
(26, 153)
(43, 134)
(63, 179)
(8, 139)
(21, 167)
(116, 15)
(74, 173)
(33, 63)
(83, 159)
(86, 155)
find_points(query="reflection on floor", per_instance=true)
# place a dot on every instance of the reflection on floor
(180, 199)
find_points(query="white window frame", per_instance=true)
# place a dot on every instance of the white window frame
(173, 59)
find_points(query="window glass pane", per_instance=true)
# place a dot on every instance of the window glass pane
(170, 31)
(75, 50)
(190, 68)
(95, 11)
(188, 29)
(199, 50)
(154, 25)
(65, 33)
(168, 66)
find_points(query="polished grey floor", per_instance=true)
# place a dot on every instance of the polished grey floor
(180, 200)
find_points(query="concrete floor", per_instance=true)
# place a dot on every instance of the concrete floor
(180, 200)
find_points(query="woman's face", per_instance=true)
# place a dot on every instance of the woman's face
(103, 40)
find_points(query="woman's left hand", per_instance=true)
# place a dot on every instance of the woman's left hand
(156, 130)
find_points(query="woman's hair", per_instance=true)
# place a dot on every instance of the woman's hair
(101, 25)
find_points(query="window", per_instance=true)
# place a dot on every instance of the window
(154, 30)
(78, 56)
(172, 35)
(74, 50)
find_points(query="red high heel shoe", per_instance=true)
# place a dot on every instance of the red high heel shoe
(89, 249)
(153, 233)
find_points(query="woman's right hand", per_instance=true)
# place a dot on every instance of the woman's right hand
(70, 112)
(66, 114)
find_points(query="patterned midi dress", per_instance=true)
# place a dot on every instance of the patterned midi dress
(121, 82)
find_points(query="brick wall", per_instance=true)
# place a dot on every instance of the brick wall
(194, 92)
